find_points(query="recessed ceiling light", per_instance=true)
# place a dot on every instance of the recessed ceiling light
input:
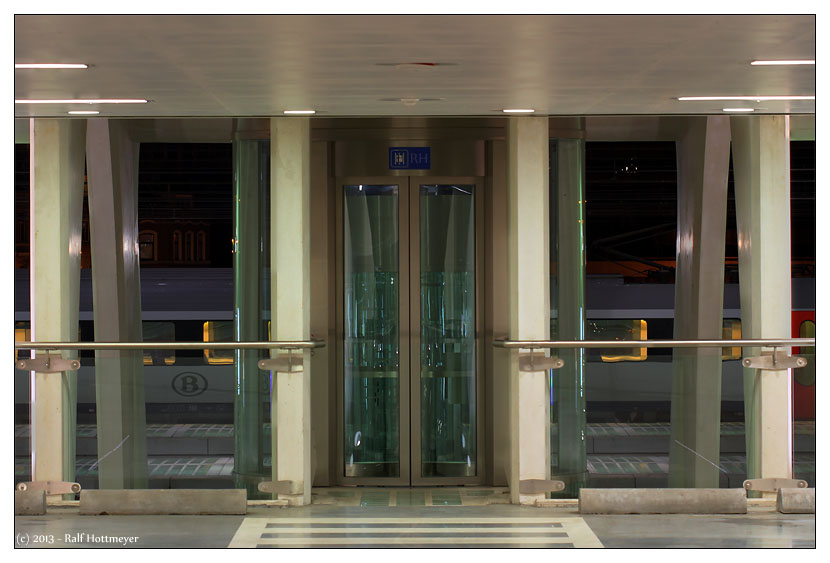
(748, 98)
(404, 64)
(50, 65)
(791, 62)
(299, 112)
(83, 112)
(517, 110)
(738, 109)
(84, 101)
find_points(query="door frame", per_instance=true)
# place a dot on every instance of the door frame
(409, 331)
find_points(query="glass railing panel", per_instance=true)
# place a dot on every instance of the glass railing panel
(371, 331)
(617, 329)
(218, 331)
(158, 331)
(160, 426)
(447, 344)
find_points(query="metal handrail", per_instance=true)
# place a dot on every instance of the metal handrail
(757, 342)
(267, 345)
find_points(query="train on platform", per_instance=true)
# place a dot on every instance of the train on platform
(631, 385)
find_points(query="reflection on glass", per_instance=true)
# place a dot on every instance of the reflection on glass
(371, 330)
(218, 331)
(158, 331)
(807, 374)
(617, 329)
(731, 331)
(448, 417)
(22, 333)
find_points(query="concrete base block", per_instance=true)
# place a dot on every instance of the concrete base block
(169, 501)
(29, 503)
(797, 501)
(662, 501)
(224, 482)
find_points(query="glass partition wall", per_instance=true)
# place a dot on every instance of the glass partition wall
(409, 316)
(252, 307)
(567, 298)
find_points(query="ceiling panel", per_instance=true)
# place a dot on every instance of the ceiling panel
(345, 65)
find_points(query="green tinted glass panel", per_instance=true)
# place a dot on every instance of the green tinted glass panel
(807, 374)
(448, 390)
(371, 345)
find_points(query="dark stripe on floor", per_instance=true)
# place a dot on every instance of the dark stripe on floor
(414, 525)
(268, 536)
(419, 546)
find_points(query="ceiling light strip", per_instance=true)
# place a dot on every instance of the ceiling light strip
(518, 110)
(747, 98)
(50, 65)
(83, 112)
(739, 109)
(84, 101)
(299, 112)
(790, 62)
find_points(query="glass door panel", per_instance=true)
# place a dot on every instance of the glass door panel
(447, 336)
(408, 317)
(371, 355)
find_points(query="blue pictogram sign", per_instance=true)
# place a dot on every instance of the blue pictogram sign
(409, 158)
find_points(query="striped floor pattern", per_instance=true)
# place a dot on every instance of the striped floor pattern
(547, 532)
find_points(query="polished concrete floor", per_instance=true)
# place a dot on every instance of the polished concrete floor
(493, 526)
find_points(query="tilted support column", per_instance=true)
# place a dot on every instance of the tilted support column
(529, 297)
(761, 156)
(112, 175)
(57, 190)
(702, 174)
(290, 300)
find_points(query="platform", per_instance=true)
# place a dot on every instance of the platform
(344, 527)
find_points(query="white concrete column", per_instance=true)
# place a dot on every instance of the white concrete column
(529, 297)
(57, 189)
(112, 177)
(702, 176)
(761, 161)
(291, 299)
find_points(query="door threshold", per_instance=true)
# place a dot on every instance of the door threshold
(364, 496)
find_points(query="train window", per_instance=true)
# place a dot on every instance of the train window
(147, 245)
(731, 331)
(218, 331)
(177, 246)
(201, 255)
(156, 331)
(22, 333)
(807, 374)
(188, 246)
(617, 329)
